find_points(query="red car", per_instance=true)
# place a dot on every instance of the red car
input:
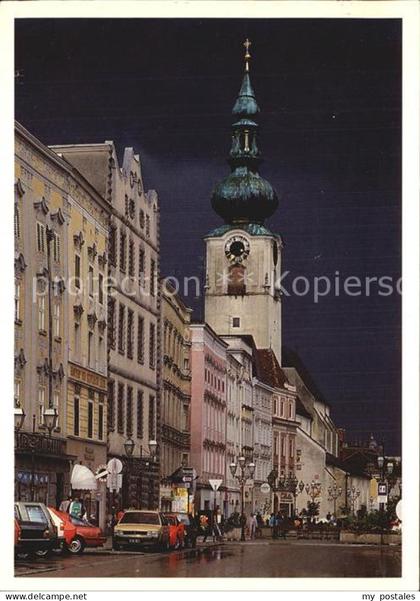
(83, 535)
(176, 531)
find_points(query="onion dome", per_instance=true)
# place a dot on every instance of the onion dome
(244, 196)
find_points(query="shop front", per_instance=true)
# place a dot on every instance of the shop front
(42, 468)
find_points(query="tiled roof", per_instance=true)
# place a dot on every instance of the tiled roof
(267, 368)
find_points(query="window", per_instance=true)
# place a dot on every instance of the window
(121, 324)
(40, 237)
(77, 271)
(282, 408)
(111, 406)
(90, 280)
(131, 266)
(291, 448)
(17, 222)
(56, 317)
(77, 339)
(147, 225)
(17, 300)
(56, 247)
(41, 313)
(152, 432)
(90, 349)
(283, 446)
(186, 419)
(111, 323)
(141, 266)
(152, 277)
(152, 346)
(139, 414)
(120, 409)
(56, 399)
(123, 250)
(100, 353)
(76, 418)
(130, 325)
(113, 246)
(100, 421)
(290, 410)
(141, 219)
(17, 393)
(236, 322)
(140, 339)
(90, 419)
(101, 289)
(129, 407)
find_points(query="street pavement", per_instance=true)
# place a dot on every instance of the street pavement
(256, 559)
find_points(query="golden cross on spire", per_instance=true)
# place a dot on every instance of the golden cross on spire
(247, 44)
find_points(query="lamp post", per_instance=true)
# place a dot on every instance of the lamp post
(285, 483)
(246, 471)
(334, 492)
(313, 490)
(19, 418)
(353, 494)
(386, 468)
(129, 446)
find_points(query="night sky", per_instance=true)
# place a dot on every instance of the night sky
(330, 96)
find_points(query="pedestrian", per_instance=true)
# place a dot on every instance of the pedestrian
(76, 508)
(328, 517)
(65, 504)
(253, 526)
(272, 524)
(204, 526)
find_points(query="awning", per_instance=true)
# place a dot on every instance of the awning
(82, 478)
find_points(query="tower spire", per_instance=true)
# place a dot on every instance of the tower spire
(247, 44)
(244, 196)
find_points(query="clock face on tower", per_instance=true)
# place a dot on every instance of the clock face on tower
(237, 249)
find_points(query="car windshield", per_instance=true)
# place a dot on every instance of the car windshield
(139, 517)
(79, 522)
(170, 519)
(35, 514)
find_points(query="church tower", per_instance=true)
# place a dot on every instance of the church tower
(243, 256)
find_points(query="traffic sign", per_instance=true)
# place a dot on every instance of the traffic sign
(382, 489)
(114, 482)
(265, 488)
(215, 484)
(114, 466)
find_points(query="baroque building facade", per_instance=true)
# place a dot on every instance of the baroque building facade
(134, 352)
(176, 391)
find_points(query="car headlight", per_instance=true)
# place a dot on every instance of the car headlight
(152, 533)
(117, 531)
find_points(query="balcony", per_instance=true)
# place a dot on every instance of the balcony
(32, 442)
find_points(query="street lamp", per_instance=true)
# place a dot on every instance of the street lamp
(285, 483)
(334, 492)
(313, 490)
(50, 419)
(246, 472)
(19, 417)
(129, 447)
(353, 494)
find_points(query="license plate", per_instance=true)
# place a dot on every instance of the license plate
(133, 541)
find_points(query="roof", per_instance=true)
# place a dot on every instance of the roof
(291, 359)
(350, 467)
(301, 409)
(267, 368)
(92, 162)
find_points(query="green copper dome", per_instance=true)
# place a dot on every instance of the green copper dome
(244, 196)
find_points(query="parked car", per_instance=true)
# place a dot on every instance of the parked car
(176, 530)
(80, 533)
(68, 529)
(17, 532)
(190, 529)
(37, 530)
(141, 528)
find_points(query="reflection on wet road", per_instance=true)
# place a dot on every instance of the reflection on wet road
(265, 560)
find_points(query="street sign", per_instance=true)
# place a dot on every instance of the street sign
(215, 484)
(187, 478)
(114, 482)
(265, 488)
(114, 466)
(398, 510)
(382, 489)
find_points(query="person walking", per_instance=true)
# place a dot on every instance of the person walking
(65, 504)
(253, 526)
(272, 524)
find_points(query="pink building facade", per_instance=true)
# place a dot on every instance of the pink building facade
(208, 414)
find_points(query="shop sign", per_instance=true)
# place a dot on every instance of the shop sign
(88, 377)
(180, 500)
(286, 496)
